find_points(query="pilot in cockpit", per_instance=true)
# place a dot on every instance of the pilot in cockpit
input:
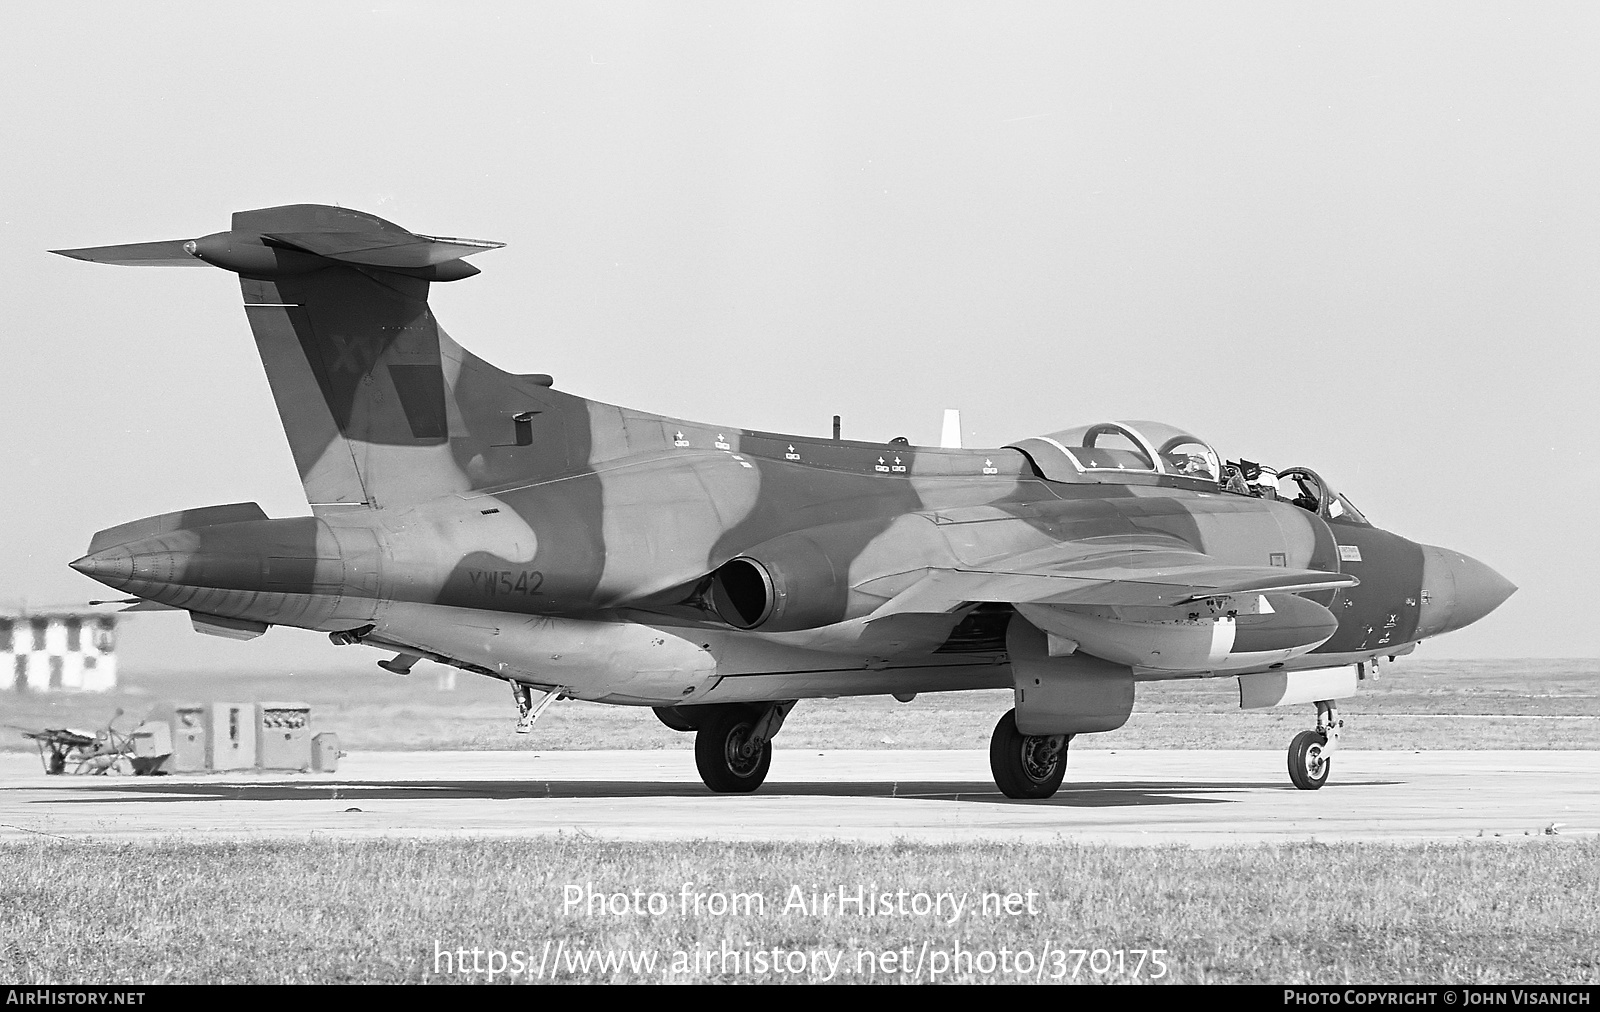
(1246, 477)
(1233, 479)
(1265, 483)
(1193, 465)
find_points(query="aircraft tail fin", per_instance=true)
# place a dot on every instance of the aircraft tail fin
(379, 405)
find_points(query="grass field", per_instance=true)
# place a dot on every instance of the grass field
(1418, 704)
(384, 911)
(324, 910)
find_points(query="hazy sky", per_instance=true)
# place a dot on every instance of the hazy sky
(1363, 238)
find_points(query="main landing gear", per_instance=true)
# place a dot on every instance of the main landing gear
(1026, 766)
(732, 741)
(1311, 752)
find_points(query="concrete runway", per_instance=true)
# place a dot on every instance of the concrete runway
(1199, 798)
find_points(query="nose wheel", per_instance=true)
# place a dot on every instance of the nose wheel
(1026, 766)
(1311, 752)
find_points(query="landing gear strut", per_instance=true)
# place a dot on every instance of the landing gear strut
(528, 711)
(1026, 766)
(733, 745)
(1311, 752)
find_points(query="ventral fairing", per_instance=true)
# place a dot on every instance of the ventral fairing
(493, 522)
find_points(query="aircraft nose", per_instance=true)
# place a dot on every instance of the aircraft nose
(112, 567)
(1457, 590)
(1479, 590)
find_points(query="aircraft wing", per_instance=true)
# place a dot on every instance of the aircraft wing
(1157, 575)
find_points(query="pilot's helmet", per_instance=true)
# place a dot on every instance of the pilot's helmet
(1267, 481)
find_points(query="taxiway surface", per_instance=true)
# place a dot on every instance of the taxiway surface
(1199, 797)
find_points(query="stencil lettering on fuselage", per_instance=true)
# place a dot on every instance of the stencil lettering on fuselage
(477, 558)
(1382, 611)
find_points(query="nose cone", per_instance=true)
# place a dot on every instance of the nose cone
(112, 567)
(1457, 591)
(1479, 590)
(141, 568)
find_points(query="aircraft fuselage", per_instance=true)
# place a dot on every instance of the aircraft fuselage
(557, 568)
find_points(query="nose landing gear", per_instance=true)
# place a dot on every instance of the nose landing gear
(1311, 752)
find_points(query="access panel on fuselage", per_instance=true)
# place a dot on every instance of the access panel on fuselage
(1383, 610)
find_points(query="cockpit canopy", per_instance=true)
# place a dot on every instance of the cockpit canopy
(1112, 451)
(1122, 447)
(1307, 490)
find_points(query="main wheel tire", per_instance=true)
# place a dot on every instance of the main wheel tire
(722, 751)
(1308, 767)
(1026, 766)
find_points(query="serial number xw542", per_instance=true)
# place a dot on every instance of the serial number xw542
(496, 582)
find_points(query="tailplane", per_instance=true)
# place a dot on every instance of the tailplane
(380, 406)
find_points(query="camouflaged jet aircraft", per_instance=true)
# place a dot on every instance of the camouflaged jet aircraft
(489, 521)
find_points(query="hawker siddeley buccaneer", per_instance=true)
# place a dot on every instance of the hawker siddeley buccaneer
(492, 522)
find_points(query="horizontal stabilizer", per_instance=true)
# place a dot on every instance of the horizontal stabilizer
(388, 248)
(297, 239)
(171, 253)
